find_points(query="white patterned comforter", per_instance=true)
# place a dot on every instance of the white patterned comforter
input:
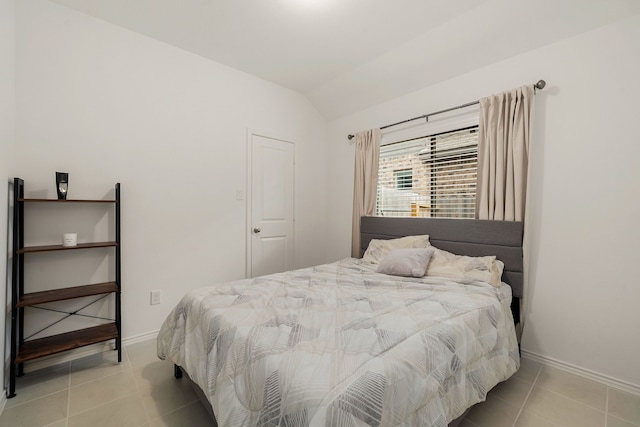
(341, 345)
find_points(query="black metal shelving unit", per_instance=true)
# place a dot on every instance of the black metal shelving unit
(25, 350)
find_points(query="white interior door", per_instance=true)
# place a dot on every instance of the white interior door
(271, 216)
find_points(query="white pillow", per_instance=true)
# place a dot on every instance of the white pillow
(378, 249)
(406, 262)
(446, 264)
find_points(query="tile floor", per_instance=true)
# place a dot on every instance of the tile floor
(141, 391)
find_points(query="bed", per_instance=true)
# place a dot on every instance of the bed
(342, 344)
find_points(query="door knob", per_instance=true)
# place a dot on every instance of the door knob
(256, 230)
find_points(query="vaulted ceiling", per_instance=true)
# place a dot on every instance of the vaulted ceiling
(345, 55)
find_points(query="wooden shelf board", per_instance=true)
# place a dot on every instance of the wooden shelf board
(68, 201)
(67, 341)
(50, 248)
(62, 294)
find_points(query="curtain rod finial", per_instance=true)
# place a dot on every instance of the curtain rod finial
(350, 137)
(540, 84)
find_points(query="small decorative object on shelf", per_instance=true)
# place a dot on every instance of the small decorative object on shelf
(70, 239)
(62, 184)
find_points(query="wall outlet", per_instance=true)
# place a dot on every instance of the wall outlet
(156, 297)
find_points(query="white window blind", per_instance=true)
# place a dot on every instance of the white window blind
(442, 170)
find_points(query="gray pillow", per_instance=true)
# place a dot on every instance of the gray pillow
(406, 262)
(378, 249)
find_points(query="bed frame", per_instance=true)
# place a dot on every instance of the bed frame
(461, 236)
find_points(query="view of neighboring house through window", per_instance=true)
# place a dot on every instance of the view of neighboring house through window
(404, 179)
(431, 176)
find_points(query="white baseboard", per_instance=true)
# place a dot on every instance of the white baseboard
(140, 338)
(582, 372)
(3, 402)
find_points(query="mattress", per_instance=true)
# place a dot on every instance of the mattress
(342, 345)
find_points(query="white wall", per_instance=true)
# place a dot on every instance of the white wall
(108, 105)
(584, 201)
(7, 137)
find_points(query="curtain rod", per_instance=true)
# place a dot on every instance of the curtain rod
(540, 84)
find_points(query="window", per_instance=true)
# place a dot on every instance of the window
(431, 176)
(404, 179)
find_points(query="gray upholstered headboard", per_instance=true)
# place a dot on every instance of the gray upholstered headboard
(470, 237)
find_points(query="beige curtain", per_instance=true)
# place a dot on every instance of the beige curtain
(503, 154)
(365, 182)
